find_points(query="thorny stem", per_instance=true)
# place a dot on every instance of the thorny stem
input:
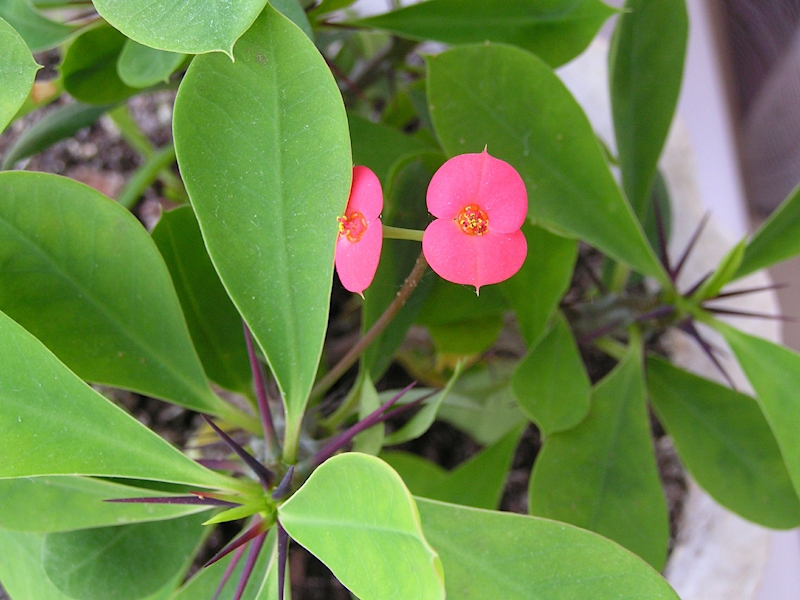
(400, 233)
(267, 423)
(349, 359)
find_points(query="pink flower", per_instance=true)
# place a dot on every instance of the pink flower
(358, 248)
(480, 203)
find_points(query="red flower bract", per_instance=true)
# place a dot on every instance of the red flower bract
(480, 203)
(358, 248)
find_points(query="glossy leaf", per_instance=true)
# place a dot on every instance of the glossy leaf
(82, 275)
(545, 276)
(214, 323)
(404, 206)
(44, 409)
(141, 66)
(774, 372)
(59, 124)
(17, 71)
(187, 26)
(128, 561)
(357, 517)
(778, 239)
(488, 554)
(509, 100)
(89, 68)
(266, 161)
(726, 443)
(602, 474)
(551, 384)
(645, 71)
(723, 274)
(556, 30)
(39, 32)
(47, 504)
(478, 482)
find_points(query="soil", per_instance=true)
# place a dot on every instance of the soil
(99, 157)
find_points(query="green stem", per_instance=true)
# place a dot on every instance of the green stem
(377, 328)
(619, 277)
(611, 347)
(400, 233)
(146, 175)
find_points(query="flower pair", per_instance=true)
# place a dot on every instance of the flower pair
(480, 204)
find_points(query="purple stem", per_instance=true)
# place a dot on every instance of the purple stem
(283, 552)
(198, 500)
(765, 288)
(252, 557)
(285, 485)
(261, 395)
(263, 473)
(248, 535)
(228, 571)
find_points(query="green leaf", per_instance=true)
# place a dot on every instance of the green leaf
(214, 323)
(556, 30)
(186, 26)
(265, 156)
(722, 275)
(82, 275)
(126, 562)
(47, 504)
(89, 69)
(295, 13)
(478, 482)
(645, 71)
(327, 6)
(544, 278)
(21, 571)
(17, 71)
(424, 418)
(509, 100)
(39, 32)
(45, 410)
(378, 146)
(774, 372)
(602, 474)
(726, 443)
(141, 66)
(357, 517)
(404, 206)
(778, 239)
(488, 554)
(551, 384)
(57, 125)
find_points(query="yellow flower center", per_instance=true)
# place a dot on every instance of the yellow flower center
(473, 220)
(353, 227)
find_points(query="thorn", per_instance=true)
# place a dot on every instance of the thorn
(657, 313)
(285, 486)
(743, 313)
(688, 327)
(228, 571)
(765, 288)
(201, 500)
(245, 537)
(267, 424)
(690, 292)
(264, 475)
(250, 562)
(662, 238)
(690, 245)
(283, 552)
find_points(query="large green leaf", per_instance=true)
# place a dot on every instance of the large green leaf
(52, 423)
(17, 71)
(214, 323)
(265, 156)
(89, 68)
(645, 69)
(725, 442)
(141, 66)
(82, 275)
(488, 554)
(778, 239)
(556, 30)
(187, 26)
(125, 562)
(544, 278)
(508, 100)
(357, 517)
(602, 474)
(774, 372)
(47, 504)
(39, 32)
(551, 384)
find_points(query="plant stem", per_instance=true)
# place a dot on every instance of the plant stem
(400, 233)
(146, 175)
(351, 357)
